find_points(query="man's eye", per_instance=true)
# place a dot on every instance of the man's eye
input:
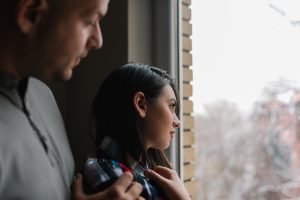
(93, 23)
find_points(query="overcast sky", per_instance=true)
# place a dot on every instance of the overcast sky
(239, 45)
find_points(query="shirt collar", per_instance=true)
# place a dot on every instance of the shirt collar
(11, 88)
(112, 149)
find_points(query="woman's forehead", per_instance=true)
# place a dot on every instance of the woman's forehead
(167, 92)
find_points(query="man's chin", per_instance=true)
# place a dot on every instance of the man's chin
(68, 75)
(63, 77)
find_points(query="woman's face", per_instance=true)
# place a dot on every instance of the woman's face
(160, 122)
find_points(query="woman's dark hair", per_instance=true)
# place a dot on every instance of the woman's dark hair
(115, 115)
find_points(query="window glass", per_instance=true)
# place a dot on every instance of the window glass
(247, 98)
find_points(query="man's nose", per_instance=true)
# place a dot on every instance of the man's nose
(96, 40)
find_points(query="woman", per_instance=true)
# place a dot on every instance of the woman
(135, 112)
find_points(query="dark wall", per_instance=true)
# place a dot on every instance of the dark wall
(75, 97)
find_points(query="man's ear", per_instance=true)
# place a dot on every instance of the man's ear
(29, 13)
(139, 102)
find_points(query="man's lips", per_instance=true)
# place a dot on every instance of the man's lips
(84, 55)
(80, 58)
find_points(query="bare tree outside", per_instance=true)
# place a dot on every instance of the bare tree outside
(254, 156)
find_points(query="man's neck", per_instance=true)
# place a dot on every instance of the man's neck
(7, 66)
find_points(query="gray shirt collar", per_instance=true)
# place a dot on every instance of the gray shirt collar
(11, 88)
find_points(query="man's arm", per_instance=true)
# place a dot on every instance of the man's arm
(123, 189)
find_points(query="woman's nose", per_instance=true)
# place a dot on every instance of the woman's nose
(176, 122)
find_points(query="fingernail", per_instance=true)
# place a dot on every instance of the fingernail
(146, 171)
(76, 177)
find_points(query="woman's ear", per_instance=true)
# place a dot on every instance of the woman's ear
(29, 13)
(139, 102)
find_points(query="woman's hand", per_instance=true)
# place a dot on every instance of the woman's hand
(169, 181)
(123, 189)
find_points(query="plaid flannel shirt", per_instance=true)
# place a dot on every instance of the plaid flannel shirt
(101, 173)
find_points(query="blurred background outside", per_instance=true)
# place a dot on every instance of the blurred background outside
(246, 62)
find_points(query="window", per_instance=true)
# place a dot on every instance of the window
(247, 98)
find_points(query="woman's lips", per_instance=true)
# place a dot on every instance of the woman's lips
(172, 133)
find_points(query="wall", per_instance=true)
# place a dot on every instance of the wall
(187, 92)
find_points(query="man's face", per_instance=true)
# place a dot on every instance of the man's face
(65, 38)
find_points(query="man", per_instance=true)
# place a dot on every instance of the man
(44, 40)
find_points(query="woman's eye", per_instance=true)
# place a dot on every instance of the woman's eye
(173, 106)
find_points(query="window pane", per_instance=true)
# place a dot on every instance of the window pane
(247, 98)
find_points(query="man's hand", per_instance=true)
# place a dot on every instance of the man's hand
(123, 189)
(169, 181)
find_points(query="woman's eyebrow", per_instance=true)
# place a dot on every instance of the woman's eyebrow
(173, 99)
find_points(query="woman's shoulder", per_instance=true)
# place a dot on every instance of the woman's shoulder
(100, 173)
(106, 165)
(103, 168)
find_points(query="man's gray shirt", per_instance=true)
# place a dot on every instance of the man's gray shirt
(35, 157)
